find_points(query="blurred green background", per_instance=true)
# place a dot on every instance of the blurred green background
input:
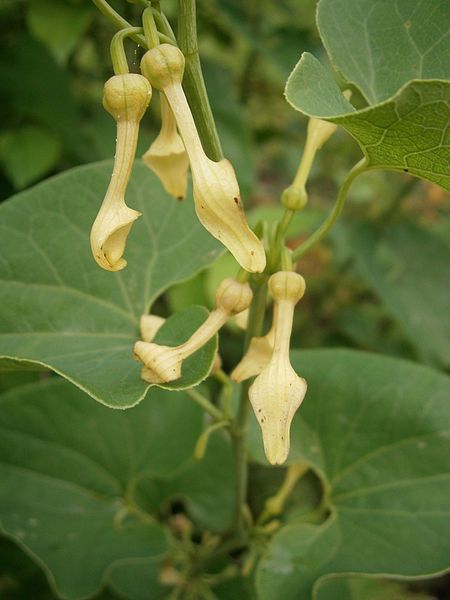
(380, 282)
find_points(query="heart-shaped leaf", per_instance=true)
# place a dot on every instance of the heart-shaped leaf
(69, 469)
(376, 430)
(403, 263)
(353, 587)
(59, 309)
(396, 53)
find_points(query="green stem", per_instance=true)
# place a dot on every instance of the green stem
(163, 24)
(118, 56)
(193, 83)
(254, 328)
(118, 20)
(334, 214)
(150, 31)
(205, 404)
(277, 246)
(275, 504)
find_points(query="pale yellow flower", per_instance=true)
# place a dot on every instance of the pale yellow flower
(167, 156)
(149, 325)
(278, 391)
(256, 358)
(216, 191)
(164, 363)
(126, 98)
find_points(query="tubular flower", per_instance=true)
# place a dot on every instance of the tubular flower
(256, 358)
(318, 132)
(216, 191)
(126, 98)
(278, 391)
(241, 319)
(163, 363)
(167, 155)
(149, 326)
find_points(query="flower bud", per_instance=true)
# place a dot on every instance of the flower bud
(163, 66)
(126, 98)
(216, 190)
(164, 363)
(286, 286)
(167, 156)
(294, 197)
(232, 296)
(278, 391)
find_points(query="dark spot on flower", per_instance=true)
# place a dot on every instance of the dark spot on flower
(236, 200)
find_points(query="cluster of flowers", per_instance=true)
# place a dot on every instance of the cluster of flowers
(216, 191)
(277, 390)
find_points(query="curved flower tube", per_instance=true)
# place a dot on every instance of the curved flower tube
(256, 358)
(167, 156)
(278, 391)
(149, 325)
(126, 98)
(216, 191)
(163, 363)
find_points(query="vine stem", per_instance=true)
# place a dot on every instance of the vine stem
(118, 56)
(118, 20)
(205, 404)
(322, 231)
(193, 83)
(254, 328)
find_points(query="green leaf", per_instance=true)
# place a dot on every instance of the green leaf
(207, 494)
(364, 588)
(59, 309)
(69, 467)
(28, 153)
(404, 264)
(387, 43)
(375, 429)
(205, 490)
(395, 52)
(42, 93)
(58, 24)
(138, 579)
